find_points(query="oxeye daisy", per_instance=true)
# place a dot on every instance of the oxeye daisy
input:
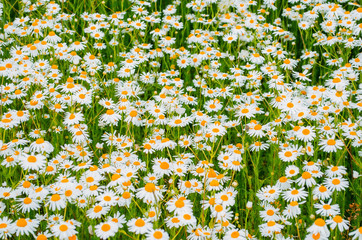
(292, 210)
(321, 192)
(268, 229)
(356, 234)
(40, 145)
(150, 193)
(7, 227)
(336, 183)
(64, 229)
(319, 226)
(32, 161)
(139, 225)
(157, 234)
(306, 180)
(295, 194)
(106, 230)
(331, 144)
(25, 226)
(326, 209)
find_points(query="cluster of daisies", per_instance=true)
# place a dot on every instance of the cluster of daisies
(167, 121)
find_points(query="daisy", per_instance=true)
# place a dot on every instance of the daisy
(270, 213)
(56, 202)
(321, 192)
(64, 229)
(268, 193)
(7, 227)
(295, 194)
(25, 226)
(319, 226)
(150, 193)
(306, 180)
(292, 210)
(330, 144)
(32, 161)
(326, 209)
(157, 234)
(356, 234)
(336, 183)
(268, 229)
(335, 171)
(106, 230)
(306, 134)
(40, 145)
(139, 225)
(338, 221)
(28, 204)
(97, 211)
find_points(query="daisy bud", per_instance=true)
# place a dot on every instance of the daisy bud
(266, 114)
(90, 229)
(315, 198)
(235, 184)
(70, 40)
(303, 150)
(355, 174)
(312, 216)
(249, 205)
(293, 43)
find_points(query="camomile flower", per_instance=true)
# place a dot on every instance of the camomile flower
(295, 194)
(139, 225)
(56, 202)
(288, 155)
(326, 209)
(306, 134)
(338, 221)
(268, 229)
(73, 118)
(292, 210)
(268, 193)
(356, 234)
(28, 204)
(334, 171)
(330, 144)
(40, 145)
(270, 213)
(319, 226)
(64, 229)
(321, 192)
(32, 161)
(306, 180)
(150, 193)
(25, 226)
(7, 227)
(157, 234)
(336, 183)
(106, 230)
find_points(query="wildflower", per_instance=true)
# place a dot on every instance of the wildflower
(106, 229)
(139, 225)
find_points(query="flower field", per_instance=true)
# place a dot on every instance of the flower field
(181, 119)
